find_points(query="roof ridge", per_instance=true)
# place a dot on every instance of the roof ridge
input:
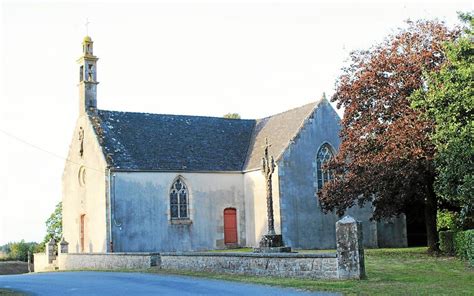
(300, 128)
(314, 106)
(176, 115)
(315, 103)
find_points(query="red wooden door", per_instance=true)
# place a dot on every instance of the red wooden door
(82, 232)
(230, 226)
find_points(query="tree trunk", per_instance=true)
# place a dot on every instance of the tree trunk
(431, 208)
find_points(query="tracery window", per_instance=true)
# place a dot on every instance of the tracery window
(325, 154)
(179, 201)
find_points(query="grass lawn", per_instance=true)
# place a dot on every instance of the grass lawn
(4, 292)
(408, 271)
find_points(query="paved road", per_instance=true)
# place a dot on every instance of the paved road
(121, 283)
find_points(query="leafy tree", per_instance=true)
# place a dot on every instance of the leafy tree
(386, 156)
(5, 248)
(232, 116)
(448, 100)
(54, 227)
(19, 250)
(447, 220)
(54, 224)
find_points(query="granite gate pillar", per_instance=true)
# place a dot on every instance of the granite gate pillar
(350, 250)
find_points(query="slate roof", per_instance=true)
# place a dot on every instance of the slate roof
(279, 129)
(142, 141)
(157, 142)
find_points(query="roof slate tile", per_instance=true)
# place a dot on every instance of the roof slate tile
(157, 142)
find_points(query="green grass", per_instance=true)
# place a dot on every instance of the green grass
(5, 292)
(248, 250)
(238, 250)
(409, 271)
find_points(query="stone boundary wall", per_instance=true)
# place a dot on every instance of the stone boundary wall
(41, 262)
(314, 266)
(98, 261)
(109, 261)
(346, 263)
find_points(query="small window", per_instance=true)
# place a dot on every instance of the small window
(179, 200)
(81, 73)
(90, 73)
(324, 155)
(82, 176)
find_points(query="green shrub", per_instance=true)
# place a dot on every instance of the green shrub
(446, 220)
(464, 245)
(19, 250)
(446, 242)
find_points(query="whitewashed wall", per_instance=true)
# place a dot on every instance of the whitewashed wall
(256, 205)
(89, 199)
(141, 211)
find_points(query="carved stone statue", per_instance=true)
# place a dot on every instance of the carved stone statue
(271, 242)
(268, 167)
(81, 139)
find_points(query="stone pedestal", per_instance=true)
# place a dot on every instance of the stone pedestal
(272, 243)
(272, 250)
(350, 251)
(63, 246)
(50, 252)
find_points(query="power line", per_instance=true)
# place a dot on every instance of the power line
(45, 151)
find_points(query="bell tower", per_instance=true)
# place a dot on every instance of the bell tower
(87, 77)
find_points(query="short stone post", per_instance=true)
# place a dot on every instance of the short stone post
(63, 246)
(29, 261)
(350, 250)
(50, 254)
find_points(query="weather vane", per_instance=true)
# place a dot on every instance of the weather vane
(87, 26)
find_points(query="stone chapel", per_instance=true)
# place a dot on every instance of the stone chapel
(141, 182)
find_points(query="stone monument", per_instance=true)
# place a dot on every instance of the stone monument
(63, 246)
(270, 242)
(350, 250)
(50, 251)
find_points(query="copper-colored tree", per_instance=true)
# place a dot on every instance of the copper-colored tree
(386, 156)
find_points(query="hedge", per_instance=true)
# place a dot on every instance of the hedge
(446, 242)
(460, 243)
(464, 245)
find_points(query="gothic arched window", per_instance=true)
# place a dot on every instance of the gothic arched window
(179, 201)
(325, 154)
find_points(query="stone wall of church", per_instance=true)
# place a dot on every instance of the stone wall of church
(256, 205)
(84, 184)
(392, 233)
(303, 223)
(141, 211)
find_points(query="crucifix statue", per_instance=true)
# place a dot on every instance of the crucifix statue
(81, 140)
(270, 242)
(268, 167)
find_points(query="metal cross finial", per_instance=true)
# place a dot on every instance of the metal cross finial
(87, 26)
